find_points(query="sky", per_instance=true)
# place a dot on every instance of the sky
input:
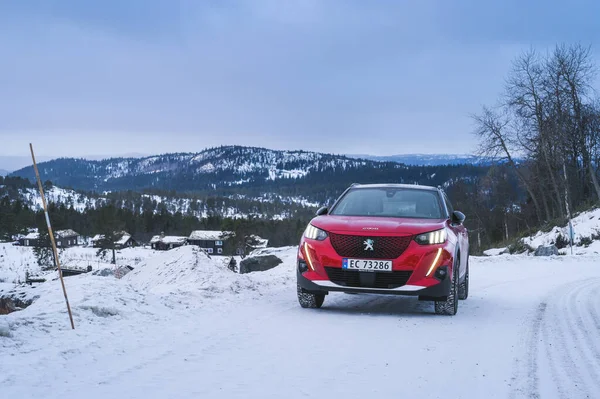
(113, 77)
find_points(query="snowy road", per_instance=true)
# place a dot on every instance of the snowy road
(530, 329)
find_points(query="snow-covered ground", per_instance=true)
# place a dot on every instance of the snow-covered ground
(183, 326)
(586, 236)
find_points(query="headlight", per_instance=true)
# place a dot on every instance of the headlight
(433, 237)
(315, 233)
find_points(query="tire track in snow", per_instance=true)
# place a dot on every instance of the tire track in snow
(200, 346)
(562, 353)
(529, 377)
(556, 349)
(578, 309)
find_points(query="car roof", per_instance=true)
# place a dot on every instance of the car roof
(396, 185)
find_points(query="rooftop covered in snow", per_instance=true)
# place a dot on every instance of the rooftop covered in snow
(66, 233)
(168, 239)
(210, 235)
(57, 234)
(123, 240)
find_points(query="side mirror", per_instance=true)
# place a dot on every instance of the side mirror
(322, 211)
(458, 217)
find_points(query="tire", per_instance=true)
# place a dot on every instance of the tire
(449, 307)
(463, 288)
(310, 300)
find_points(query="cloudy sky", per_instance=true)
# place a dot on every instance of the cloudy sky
(108, 77)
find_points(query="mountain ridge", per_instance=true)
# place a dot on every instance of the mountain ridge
(251, 172)
(425, 159)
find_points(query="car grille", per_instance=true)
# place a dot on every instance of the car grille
(385, 247)
(354, 278)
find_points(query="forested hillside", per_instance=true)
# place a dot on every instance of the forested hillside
(242, 172)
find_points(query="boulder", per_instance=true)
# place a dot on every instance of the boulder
(11, 303)
(546, 250)
(259, 263)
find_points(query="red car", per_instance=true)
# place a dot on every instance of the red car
(386, 239)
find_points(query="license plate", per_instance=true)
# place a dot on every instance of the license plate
(367, 265)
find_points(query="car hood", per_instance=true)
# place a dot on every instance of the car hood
(376, 225)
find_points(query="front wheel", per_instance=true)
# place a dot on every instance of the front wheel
(449, 307)
(463, 288)
(309, 299)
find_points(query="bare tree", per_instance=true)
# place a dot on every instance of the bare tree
(548, 116)
(592, 115)
(524, 96)
(495, 143)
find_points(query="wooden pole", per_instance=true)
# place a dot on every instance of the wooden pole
(51, 234)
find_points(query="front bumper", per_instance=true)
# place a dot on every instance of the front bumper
(440, 290)
(317, 260)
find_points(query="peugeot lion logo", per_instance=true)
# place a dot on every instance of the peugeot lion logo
(369, 244)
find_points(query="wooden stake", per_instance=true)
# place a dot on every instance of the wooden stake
(51, 234)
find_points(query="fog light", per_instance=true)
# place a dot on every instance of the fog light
(302, 266)
(441, 272)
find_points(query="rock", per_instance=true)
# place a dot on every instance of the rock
(543, 250)
(12, 303)
(106, 272)
(110, 272)
(259, 263)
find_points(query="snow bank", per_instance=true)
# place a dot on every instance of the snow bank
(179, 267)
(4, 328)
(176, 280)
(586, 226)
(188, 270)
(94, 301)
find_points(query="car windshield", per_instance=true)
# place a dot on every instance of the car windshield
(390, 202)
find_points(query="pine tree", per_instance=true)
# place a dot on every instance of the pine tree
(111, 230)
(43, 249)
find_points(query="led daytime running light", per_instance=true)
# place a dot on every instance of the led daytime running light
(308, 258)
(435, 261)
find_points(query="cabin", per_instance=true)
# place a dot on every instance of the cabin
(211, 241)
(164, 243)
(29, 240)
(63, 238)
(126, 240)
(66, 238)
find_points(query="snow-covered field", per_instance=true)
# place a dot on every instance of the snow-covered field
(183, 326)
(16, 261)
